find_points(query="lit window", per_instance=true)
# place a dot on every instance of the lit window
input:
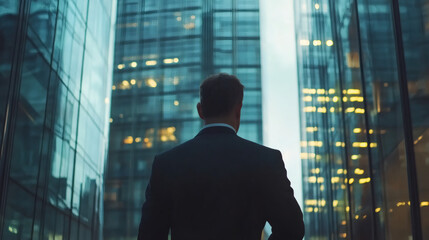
(304, 42)
(151, 63)
(317, 6)
(317, 43)
(176, 103)
(128, 140)
(133, 64)
(359, 171)
(150, 82)
(133, 81)
(121, 66)
(329, 43)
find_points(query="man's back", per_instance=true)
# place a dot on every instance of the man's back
(219, 186)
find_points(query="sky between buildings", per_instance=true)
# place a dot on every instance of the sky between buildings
(280, 86)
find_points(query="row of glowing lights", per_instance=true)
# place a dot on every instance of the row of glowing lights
(149, 63)
(358, 171)
(329, 91)
(335, 203)
(316, 43)
(166, 134)
(337, 144)
(334, 99)
(150, 82)
(355, 130)
(310, 109)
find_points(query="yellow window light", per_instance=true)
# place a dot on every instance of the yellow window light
(310, 109)
(340, 171)
(133, 64)
(332, 109)
(345, 99)
(121, 66)
(308, 155)
(304, 42)
(303, 144)
(151, 63)
(176, 103)
(317, 6)
(320, 180)
(424, 204)
(133, 82)
(331, 91)
(329, 43)
(138, 139)
(312, 179)
(377, 210)
(309, 91)
(309, 209)
(111, 120)
(311, 129)
(335, 203)
(371, 131)
(321, 99)
(321, 110)
(359, 171)
(355, 157)
(311, 202)
(353, 91)
(335, 99)
(317, 43)
(351, 180)
(321, 91)
(356, 99)
(113, 87)
(360, 144)
(175, 60)
(316, 209)
(335, 179)
(350, 110)
(399, 204)
(357, 130)
(128, 140)
(364, 180)
(373, 145)
(168, 60)
(315, 170)
(360, 111)
(150, 82)
(307, 99)
(315, 143)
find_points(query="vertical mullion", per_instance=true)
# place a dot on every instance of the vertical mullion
(407, 123)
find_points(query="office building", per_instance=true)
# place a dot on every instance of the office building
(364, 94)
(54, 111)
(163, 50)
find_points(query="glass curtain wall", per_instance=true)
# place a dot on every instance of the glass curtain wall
(364, 84)
(163, 50)
(54, 89)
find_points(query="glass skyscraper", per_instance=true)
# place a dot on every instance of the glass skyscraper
(163, 50)
(364, 94)
(54, 111)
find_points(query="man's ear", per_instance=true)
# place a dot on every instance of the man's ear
(200, 111)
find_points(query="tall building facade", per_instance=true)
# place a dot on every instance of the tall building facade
(364, 94)
(163, 50)
(54, 93)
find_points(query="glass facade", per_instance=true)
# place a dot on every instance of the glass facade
(54, 94)
(364, 94)
(163, 50)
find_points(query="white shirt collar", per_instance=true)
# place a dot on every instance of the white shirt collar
(218, 125)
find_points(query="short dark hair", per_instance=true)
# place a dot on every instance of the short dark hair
(219, 93)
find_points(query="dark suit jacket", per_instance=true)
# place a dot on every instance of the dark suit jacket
(219, 186)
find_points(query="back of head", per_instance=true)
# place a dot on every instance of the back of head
(219, 94)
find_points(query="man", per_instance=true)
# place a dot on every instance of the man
(218, 185)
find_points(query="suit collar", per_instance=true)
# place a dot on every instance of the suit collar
(216, 130)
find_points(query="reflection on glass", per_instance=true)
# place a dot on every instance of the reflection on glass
(55, 149)
(353, 119)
